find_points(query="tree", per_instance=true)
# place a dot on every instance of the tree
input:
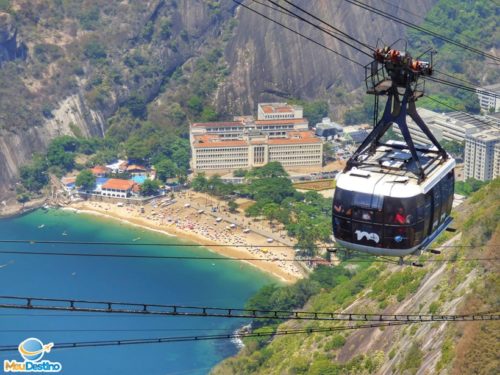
(200, 182)
(150, 187)
(58, 156)
(239, 173)
(271, 211)
(94, 50)
(34, 176)
(315, 111)
(232, 206)
(272, 169)
(195, 104)
(136, 104)
(166, 169)
(85, 180)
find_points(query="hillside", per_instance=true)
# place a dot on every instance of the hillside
(82, 67)
(457, 286)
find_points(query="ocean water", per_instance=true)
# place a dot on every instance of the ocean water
(183, 282)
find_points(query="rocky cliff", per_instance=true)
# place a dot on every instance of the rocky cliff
(268, 62)
(10, 47)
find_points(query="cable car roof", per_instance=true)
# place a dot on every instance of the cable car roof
(390, 171)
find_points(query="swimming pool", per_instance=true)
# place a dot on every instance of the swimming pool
(139, 179)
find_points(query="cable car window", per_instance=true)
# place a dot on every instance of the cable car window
(362, 200)
(398, 237)
(400, 211)
(436, 195)
(419, 233)
(342, 229)
(420, 207)
(342, 202)
(428, 213)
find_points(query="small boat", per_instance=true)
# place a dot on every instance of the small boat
(41, 226)
(136, 239)
(64, 233)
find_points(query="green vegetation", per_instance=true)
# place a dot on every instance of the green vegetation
(314, 110)
(413, 360)
(337, 341)
(85, 180)
(469, 186)
(35, 176)
(362, 113)
(150, 187)
(398, 284)
(456, 149)
(474, 24)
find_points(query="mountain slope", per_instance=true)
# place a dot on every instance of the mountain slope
(458, 286)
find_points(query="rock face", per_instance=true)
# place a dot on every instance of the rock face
(269, 62)
(10, 49)
(17, 148)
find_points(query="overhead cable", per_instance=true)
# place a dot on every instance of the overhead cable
(232, 335)
(108, 307)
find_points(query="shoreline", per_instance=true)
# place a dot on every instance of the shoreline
(267, 265)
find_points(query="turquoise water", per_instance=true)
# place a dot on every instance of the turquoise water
(139, 179)
(183, 282)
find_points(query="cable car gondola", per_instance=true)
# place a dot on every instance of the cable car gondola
(394, 198)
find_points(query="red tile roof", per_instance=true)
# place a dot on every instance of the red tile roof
(118, 184)
(277, 109)
(99, 169)
(283, 121)
(216, 124)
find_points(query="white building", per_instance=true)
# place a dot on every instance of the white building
(280, 133)
(482, 155)
(453, 126)
(118, 188)
(489, 97)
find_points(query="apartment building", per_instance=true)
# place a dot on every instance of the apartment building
(496, 161)
(482, 155)
(280, 133)
(489, 98)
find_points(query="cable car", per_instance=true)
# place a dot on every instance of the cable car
(394, 197)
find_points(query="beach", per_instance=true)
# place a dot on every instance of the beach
(204, 220)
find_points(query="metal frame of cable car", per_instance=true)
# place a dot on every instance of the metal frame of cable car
(402, 87)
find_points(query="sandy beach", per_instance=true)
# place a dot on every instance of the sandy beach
(211, 227)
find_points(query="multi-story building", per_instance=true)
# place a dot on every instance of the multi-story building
(280, 133)
(496, 161)
(482, 155)
(455, 126)
(489, 98)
